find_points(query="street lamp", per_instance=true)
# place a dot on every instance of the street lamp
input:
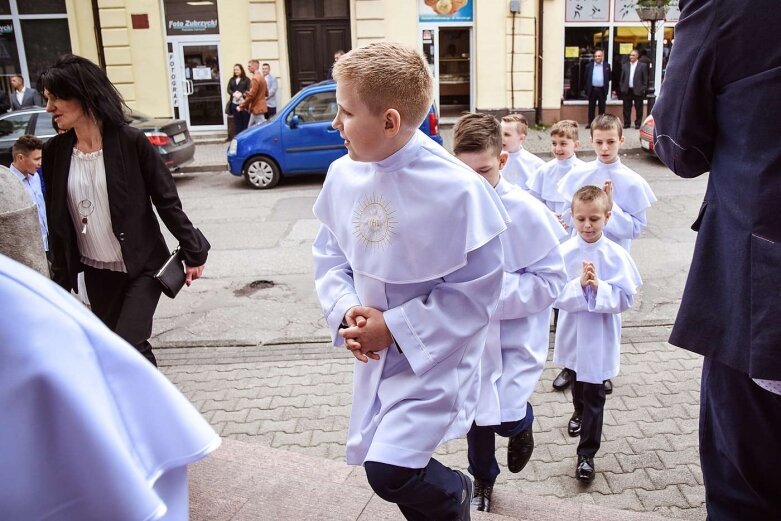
(652, 11)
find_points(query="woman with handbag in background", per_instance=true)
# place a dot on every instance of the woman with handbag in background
(237, 86)
(102, 178)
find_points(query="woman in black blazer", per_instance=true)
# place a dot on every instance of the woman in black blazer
(237, 86)
(102, 178)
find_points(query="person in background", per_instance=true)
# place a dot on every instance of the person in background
(21, 96)
(597, 84)
(238, 85)
(255, 99)
(102, 178)
(338, 54)
(271, 83)
(718, 112)
(633, 85)
(521, 164)
(26, 161)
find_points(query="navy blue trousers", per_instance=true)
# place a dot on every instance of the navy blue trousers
(433, 492)
(481, 445)
(740, 450)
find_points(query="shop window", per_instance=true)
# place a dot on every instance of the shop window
(5, 7)
(43, 52)
(580, 43)
(40, 6)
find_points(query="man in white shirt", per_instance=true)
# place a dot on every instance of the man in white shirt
(271, 83)
(27, 153)
(633, 84)
(22, 96)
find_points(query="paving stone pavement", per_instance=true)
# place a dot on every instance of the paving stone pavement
(297, 397)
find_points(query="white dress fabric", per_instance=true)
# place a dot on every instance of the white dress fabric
(520, 167)
(90, 430)
(632, 196)
(544, 183)
(588, 333)
(416, 236)
(517, 343)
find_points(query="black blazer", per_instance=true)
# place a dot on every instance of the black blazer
(136, 178)
(640, 82)
(718, 112)
(605, 75)
(242, 85)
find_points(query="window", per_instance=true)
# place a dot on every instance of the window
(43, 126)
(14, 126)
(579, 46)
(43, 52)
(317, 108)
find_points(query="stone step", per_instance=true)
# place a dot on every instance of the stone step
(245, 481)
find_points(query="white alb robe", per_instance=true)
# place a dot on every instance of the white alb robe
(588, 333)
(416, 236)
(520, 167)
(517, 343)
(90, 429)
(544, 183)
(632, 196)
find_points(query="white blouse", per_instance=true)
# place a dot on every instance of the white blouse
(88, 200)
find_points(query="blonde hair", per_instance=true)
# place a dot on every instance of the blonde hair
(607, 122)
(566, 128)
(519, 120)
(476, 133)
(590, 193)
(389, 76)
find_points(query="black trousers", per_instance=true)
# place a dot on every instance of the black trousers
(740, 452)
(271, 112)
(597, 95)
(631, 99)
(127, 306)
(589, 402)
(433, 492)
(481, 445)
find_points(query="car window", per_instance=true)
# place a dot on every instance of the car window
(43, 125)
(319, 107)
(14, 126)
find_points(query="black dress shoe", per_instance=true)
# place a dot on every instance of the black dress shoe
(574, 425)
(519, 450)
(563, 380)
(627, 126)
(608, 386)
(637, 125)
(585, 470)
(481, 499)
(466, 497)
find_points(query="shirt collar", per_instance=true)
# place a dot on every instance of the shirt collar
(615, 165)
(566, 163)
(402, 157)
(21, 175)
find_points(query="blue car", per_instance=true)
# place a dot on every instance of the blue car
(298, 140)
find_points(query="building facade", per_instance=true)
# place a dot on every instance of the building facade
(175, 57)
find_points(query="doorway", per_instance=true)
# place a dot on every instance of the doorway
(195, 84)
(449, 54)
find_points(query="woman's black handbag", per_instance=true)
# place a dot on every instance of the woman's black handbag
(228, 108)
(172, 276)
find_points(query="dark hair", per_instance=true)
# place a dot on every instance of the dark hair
(26, 144)
(18, 76)
(477, 133)
(243, 74)
(75, 78)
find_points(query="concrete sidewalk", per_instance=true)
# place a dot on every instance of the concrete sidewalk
(296, 398)
(211, 157)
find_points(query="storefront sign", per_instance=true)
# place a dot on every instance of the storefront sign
(172, 80)
(571, 52)
(588, 10)
(182, 17)
(439, 11)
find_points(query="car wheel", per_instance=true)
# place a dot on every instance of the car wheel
(261, 172)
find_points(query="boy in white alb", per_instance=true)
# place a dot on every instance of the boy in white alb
(408, 269)
(544, 183)
(603, 280)
(517, 344)
(632, 195)
(521, 164)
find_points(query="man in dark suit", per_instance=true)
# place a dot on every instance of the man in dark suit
(21, 96)
(718, 112)
(633, 84)
(597, 84)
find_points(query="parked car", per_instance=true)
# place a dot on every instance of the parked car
(298, 140)
(647, 134)
(169, 136)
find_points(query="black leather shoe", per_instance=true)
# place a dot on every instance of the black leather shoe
(519, 450)
(637, 125)
(585, 470)
(563, 380)
(466, 497)
(481, 499)
(627, 126)
(608, 386)
(573, 427)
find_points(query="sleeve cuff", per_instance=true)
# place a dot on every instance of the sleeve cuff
(418, 357)
(336, 315)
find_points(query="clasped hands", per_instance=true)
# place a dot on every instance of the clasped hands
(366, 333)
(588, 278)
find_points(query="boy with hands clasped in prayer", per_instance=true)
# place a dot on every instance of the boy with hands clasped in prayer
(408, 270)
(603, 280)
